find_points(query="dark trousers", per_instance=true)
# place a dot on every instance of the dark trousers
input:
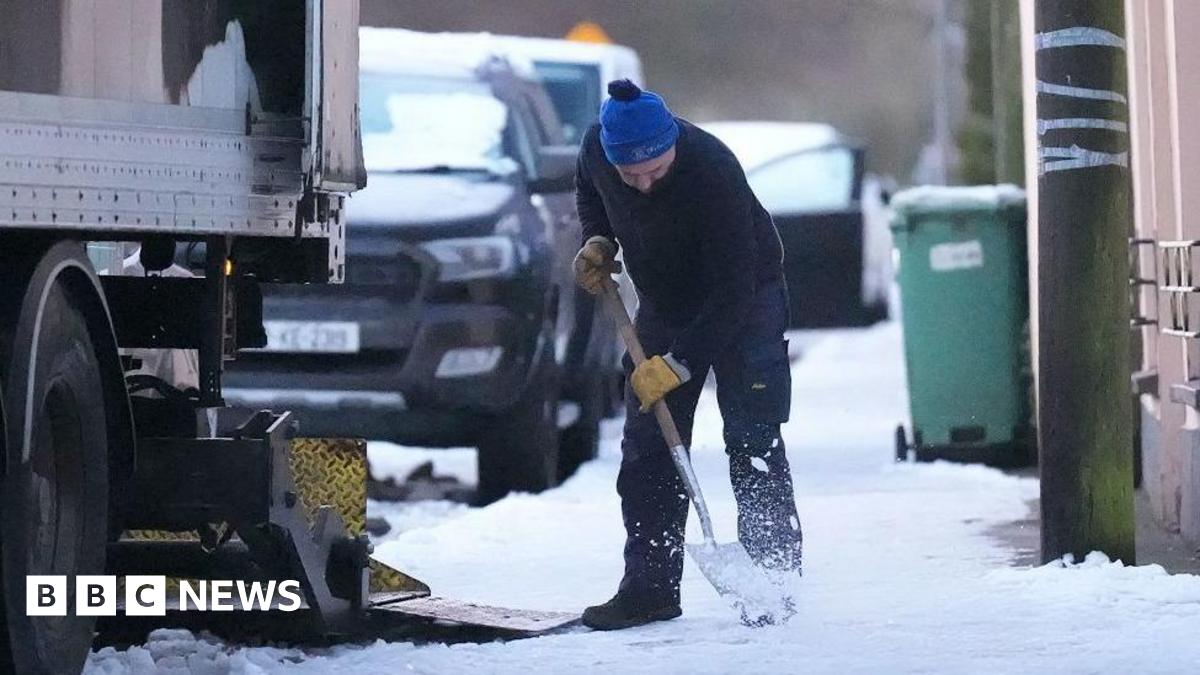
(754, 396)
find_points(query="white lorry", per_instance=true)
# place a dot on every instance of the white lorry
(227, 131)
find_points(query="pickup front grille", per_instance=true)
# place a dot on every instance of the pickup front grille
(401, 275)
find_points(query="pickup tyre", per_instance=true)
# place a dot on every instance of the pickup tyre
(519, 451)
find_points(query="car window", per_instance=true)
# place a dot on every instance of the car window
(574, 89)
(421, 123)
(817, 180)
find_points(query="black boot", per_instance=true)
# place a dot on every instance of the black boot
(627, 609)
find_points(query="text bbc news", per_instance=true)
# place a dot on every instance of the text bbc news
(97, 595)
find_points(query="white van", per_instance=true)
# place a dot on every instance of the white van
(575, 75)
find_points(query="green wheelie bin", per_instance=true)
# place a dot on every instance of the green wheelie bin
(965, 312)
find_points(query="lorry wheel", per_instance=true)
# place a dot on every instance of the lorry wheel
(6, 660)
(581, 441)
(55, 498)
(518, 451)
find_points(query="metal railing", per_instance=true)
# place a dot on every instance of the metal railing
(1137, 281)
(1181, 289)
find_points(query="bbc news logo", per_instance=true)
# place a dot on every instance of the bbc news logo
(46, 595)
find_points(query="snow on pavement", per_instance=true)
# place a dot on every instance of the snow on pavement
(396, 462)
(900, 573)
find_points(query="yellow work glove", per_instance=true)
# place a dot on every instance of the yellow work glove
(595, 264)
(656, 377)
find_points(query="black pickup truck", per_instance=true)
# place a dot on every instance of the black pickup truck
(458, 323)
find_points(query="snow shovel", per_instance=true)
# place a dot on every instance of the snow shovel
(757, 592)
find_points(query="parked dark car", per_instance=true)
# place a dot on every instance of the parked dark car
(459, 323)
(830, 215)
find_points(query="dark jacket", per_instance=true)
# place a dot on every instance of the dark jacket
(697, 248)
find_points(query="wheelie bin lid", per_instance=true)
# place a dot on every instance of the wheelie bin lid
(941, 199)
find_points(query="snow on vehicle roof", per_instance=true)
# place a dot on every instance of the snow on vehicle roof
(756, 143)
(397, 50)
(624, 61)
(927, 198)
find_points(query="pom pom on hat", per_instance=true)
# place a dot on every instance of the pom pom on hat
(624, 90)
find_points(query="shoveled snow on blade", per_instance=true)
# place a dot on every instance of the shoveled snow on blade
(764, 597)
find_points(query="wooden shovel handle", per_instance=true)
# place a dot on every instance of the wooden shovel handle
(679, 454)
(616, 308)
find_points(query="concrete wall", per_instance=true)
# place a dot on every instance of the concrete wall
(1166, 165)
(1156, 181)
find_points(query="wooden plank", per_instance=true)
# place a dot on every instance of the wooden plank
(524, 621)
(380, 599)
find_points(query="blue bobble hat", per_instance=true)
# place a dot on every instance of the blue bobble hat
(635, 125)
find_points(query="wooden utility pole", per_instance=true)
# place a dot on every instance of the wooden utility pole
(1084, 212)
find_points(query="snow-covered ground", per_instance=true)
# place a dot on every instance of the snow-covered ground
(900, 572)
(396, 462)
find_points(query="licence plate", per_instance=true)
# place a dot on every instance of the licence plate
(320, 337)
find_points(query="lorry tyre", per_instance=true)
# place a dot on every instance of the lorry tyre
(54, 504)
(6, 660)
(518, 450)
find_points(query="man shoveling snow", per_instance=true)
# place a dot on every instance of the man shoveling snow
(707, 263)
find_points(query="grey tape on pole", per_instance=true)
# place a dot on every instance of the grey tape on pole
(1079, 92)
(1079, 36)
(1081, 123)
(1053, 159)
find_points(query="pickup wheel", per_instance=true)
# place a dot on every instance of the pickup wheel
(518, 451)
(614, 386)
(581, 441)
(54, 508)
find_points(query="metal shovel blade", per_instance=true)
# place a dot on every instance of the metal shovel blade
(763, 596)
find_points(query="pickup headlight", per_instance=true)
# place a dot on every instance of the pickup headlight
(473, 257)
